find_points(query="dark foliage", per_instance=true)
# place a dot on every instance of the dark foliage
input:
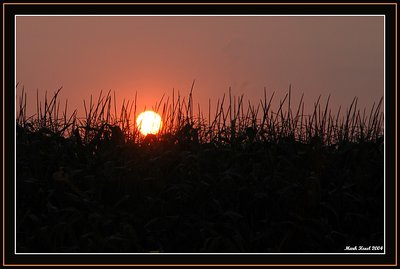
(261, 197)
(247, 187)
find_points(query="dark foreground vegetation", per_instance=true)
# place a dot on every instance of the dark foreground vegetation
(247, 180)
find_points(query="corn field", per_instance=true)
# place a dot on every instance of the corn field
(240, 178)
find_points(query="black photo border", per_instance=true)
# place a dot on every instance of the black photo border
(9, 11)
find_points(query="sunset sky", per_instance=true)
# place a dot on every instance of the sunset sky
(338, 55)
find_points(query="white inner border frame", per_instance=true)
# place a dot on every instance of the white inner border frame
(170, 15)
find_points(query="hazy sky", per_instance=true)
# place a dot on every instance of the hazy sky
(151, 55)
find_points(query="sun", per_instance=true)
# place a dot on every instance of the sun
(149, 122)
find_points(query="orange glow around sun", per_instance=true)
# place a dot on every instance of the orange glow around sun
(149, 122)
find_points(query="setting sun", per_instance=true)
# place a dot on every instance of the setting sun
(149, 122)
